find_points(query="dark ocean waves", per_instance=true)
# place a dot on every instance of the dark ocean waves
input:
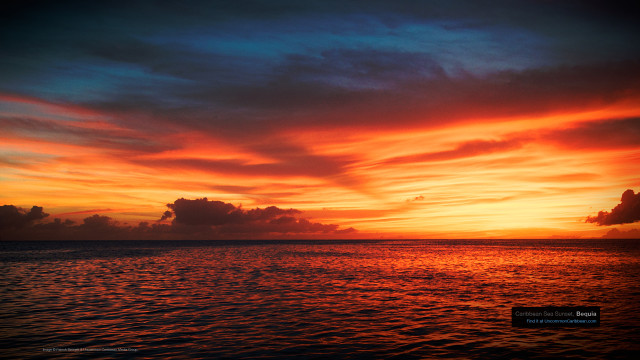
(274, 300)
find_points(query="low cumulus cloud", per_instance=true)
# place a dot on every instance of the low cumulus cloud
(226, 218)
(628, 211)
(216, 213)
(192, 219)
(15, 217)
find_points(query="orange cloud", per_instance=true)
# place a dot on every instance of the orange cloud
(514, 172)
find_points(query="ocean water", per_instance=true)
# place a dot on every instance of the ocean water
(314, 299)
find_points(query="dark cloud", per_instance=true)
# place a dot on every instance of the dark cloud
(71, 133)
(601, 134)
(361, 68)
(628, 211)
(193, 219)
(355, 72)
(181, 63)
(155, 13)
(166, 215)
(204, 212)
(608, 134)
(300, 96)
(99, 223)
(303, 93)
(95, 227)
(340, 79)
(15, 217)
(467, 149)
(286, 160)
(226, 218)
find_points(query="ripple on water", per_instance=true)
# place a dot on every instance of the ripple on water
(389, 299)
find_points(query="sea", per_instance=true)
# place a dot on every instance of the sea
(324, 299)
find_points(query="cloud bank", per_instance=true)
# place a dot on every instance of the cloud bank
(621, 234)
(192, 219)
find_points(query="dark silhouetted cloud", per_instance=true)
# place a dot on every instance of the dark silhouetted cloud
(15, 217)
(99, 223)
(192, 219)
(204, 212)
(226, 218)
(627, 211)
(166, 215)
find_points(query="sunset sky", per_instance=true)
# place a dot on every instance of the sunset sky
(427, 119)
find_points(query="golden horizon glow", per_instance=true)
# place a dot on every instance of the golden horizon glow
(513, 180)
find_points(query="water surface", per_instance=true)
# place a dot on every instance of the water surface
(314, 299)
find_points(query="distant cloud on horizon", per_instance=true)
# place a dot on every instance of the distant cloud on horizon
(622, 234)
(628, 211)
(199, 218)
(227, 218)
(14, 217)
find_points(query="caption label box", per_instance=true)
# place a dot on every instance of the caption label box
(555, 316)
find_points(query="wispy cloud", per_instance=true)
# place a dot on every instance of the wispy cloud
(501, 116)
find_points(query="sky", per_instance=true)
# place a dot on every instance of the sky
(369, 119)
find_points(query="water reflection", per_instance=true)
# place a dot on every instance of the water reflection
(410, 299)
